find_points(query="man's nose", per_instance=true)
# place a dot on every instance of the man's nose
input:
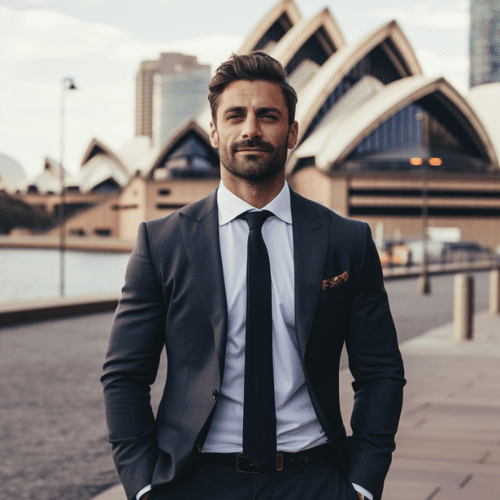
(251, 128)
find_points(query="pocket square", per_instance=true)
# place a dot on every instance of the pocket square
(333, 282)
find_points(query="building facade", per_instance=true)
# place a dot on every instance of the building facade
(484, 41)
(168, 91)
(179, 93)
(144, 98)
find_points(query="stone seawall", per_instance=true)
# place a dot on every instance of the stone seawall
(25, 311)
(83, 244)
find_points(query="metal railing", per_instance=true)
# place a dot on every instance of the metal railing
(402, 272)
(463, 289)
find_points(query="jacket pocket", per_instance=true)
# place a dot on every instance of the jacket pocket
(167, 436)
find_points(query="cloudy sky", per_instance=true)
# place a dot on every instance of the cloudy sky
(100, 43)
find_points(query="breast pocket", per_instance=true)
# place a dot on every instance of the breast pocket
(340, 292)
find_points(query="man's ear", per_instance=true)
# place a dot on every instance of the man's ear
(293, 135)
(214, 136)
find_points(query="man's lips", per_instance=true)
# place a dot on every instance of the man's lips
(251, 150)
(252, 147)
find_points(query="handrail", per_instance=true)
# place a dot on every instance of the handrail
(394, 273)
(23, 311)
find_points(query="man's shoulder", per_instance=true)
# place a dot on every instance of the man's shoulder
(313, 209)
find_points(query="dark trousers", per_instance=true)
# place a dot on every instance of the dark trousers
(321, 481)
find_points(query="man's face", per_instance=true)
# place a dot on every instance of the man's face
(252, 131)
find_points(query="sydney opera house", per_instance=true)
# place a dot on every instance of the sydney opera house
(378, 139)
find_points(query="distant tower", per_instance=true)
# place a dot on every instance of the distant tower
(484, 41)
(169, 91)
(180, 89)
(144, 98)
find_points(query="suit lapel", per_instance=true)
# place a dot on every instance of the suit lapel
(200, 232)
(310, 242)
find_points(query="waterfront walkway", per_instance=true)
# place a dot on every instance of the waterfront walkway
(77, 243)
(448, 445)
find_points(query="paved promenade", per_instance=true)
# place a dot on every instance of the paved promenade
(448, 446)
(449, 437)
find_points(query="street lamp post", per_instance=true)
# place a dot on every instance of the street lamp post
(66, 84)
(424, 283)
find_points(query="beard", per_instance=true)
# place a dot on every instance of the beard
(254, 166)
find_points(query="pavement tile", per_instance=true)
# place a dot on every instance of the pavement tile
(448, 444)
(408, 490)
(115, 493)
(450, 428)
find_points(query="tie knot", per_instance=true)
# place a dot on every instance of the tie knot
(256, 219)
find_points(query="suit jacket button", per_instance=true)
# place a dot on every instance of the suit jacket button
(215, 394)
(198, 448)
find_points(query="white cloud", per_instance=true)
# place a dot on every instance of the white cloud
(454, 68)
(424, 16)
(30, 105)
(30, 120)
(209, 49)
(45, 34)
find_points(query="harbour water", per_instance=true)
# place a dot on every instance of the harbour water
(32, 273)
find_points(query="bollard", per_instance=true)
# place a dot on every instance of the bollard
(463, 311)
(495, 291)
(424, 284)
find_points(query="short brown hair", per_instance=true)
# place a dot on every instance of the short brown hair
(254, 66)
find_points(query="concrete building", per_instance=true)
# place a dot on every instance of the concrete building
(169, 91)
(12, 175)
(144, 98)
(484, 41)
(103, 175)
(179, 93)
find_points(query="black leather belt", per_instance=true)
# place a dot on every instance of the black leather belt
(280, 461)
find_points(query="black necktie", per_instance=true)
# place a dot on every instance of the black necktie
(259, 416)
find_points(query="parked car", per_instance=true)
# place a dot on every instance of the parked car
(416, 248)
(465, 251)
(409, 253)
(394, 254)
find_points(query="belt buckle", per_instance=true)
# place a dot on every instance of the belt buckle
(279, 461)
(238, 455)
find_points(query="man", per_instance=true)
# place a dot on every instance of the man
(250, 408)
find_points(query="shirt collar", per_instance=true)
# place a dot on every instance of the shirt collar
(230, 206)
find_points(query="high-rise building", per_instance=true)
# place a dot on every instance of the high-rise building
(179, 92)
(169, 91)
(484, 41)
(144, 98)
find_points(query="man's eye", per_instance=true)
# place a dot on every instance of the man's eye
(234, 117)
(272, 118)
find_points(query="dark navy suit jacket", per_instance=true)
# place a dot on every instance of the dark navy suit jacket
(174, 296)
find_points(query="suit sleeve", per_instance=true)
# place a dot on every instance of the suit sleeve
(130, 367)
(376, 365)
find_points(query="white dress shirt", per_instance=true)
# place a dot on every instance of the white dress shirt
(297, 427)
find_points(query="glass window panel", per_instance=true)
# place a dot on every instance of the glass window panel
(375, 63)
(275, 32)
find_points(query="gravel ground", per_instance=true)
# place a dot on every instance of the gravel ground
(53, 434)
(52, 428)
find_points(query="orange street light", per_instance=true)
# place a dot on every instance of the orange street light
(435, 162)
(416, 161)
